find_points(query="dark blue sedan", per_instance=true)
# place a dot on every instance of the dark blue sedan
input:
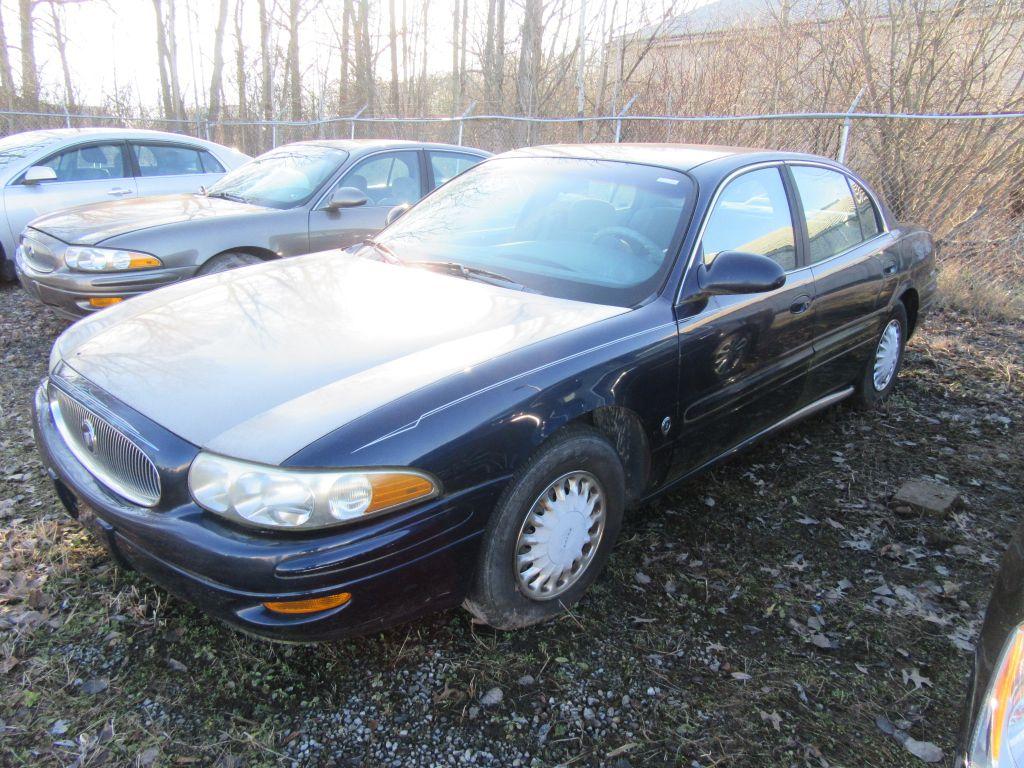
(463, 409)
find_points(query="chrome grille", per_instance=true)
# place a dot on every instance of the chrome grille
(110, 455)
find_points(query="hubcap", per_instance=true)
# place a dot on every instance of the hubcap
(560, 536)
(887, 355)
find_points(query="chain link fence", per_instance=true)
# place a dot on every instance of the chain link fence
(962, 176)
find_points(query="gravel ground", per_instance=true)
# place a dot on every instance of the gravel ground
(781, 610)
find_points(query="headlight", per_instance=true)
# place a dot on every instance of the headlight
(88, 259)
(273, 497)
(998, 738)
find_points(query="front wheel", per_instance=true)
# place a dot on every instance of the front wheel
(551, 533)
(880, 373)
(230, 260)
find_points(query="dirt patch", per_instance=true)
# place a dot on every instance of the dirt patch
(775, 612)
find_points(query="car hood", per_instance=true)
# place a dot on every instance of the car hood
(94, 223)
(259, 362)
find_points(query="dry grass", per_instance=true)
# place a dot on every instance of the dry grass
(971, 288)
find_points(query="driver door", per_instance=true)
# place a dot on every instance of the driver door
(745, 358)
(90, 173)
(387, 179)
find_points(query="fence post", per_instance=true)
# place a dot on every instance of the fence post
(846, 127)
(462, 120)
(618, 121)
(352, 123)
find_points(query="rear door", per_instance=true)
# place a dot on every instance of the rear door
(164, 168)
(86, 173)
(846, 252)
(387, 179)
(744, 358)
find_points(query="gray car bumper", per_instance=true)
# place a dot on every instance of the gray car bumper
(68, 293)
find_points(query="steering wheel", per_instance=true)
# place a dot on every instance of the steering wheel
(639, 244)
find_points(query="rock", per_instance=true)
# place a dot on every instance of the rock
(492, 697)
(95, 685)
(927, 496)
(176, 666)
(526, 680)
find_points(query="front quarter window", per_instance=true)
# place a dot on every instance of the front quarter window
(591, 230)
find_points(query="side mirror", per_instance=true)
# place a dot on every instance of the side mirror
(736, 272)
(395, 213)
(346, 197)
(38, 173)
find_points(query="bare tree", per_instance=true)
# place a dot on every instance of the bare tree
(6, 75)
(396, 108)
(29, 73)
(217, 78)
(294, 72)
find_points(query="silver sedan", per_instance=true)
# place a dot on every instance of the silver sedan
(46, 171)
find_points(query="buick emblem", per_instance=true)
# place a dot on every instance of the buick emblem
(89, 435)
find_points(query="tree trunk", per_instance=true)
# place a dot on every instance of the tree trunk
(172, 61)
(462, 51)
(162, 57)
(29, 74)
(424, 84)
(241, 77)
(393, 39)
(346, 32)
(529, 58)
(6, 74)
(294, 73)
(266, 85)
(217, 79)
(60, 40)
(456, 96)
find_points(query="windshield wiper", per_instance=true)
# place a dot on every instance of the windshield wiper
(227, 196)
(388, 254)
(473, 273)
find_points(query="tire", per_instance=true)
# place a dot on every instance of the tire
(589, 471)
(229, 260)
(872, 391)
(7, 273)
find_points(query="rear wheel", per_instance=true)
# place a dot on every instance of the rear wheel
(230, 260)
(883, 367)
(551, 533)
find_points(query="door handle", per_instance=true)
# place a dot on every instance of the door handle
(891, 268)
(118, 192)
(801, 305)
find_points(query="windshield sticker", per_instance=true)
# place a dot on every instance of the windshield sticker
(673, 182)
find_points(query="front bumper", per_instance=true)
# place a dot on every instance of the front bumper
(68, 293)
(397, 568)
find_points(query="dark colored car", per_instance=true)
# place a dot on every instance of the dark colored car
(461, 410)
(992, 735)
(296, 199)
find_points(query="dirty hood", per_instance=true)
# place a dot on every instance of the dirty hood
(94, 223)
(259, 362)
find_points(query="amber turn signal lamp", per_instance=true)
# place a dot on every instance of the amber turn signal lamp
(395, 489)
(105, 302)
(144, 262)
(312, 605)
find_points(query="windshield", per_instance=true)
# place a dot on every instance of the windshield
(21, 145)
(590, 230)
(282, 178)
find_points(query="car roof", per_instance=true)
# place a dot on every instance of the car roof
(116, 133)
(364, 145)
(681, 157)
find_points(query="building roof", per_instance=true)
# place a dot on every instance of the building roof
(727, 15)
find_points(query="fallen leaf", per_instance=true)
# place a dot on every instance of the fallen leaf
(95, 685)
(774, 718)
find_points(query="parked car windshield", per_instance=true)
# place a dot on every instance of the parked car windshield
(21, 145)
(590, 230)
(282, 178)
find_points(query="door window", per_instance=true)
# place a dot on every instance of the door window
(752, 215)
(448, 165)
(167, 160)
(387, 179)
(94, 163)
(866, 212)
(833, 225)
